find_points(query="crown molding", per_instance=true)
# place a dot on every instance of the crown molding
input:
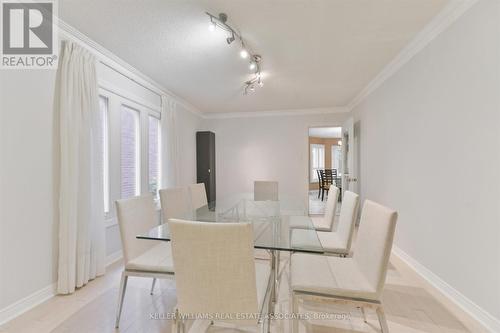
(110, 59)
(442, 21)
(275, 113)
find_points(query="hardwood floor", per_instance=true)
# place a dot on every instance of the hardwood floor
(411, 306)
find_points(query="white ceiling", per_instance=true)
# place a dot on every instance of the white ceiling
(326, 132)
(316, 53)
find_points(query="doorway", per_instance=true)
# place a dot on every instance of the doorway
(325, 157)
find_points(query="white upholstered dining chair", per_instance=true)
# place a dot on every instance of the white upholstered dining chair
(358, 280)
(265, 190)
(197, 195)
(334, 242)
(325, 222)
(174, 203)
(142, 258)
(339, 241)
(216, 274)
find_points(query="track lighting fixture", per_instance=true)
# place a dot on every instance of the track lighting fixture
(220, 21)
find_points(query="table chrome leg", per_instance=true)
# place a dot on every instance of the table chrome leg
(272, 291)
(274, 276)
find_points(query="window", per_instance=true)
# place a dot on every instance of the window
(154, 155)
(103, 107)
(131, 147)
(337, 159)
(130, 152)
(317, 160)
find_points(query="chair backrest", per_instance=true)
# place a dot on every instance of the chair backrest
(334, 174)
(331, 205)
(174, 203)
(347, 218)
(214, 267)
(322, 177)
(374, 242)
(327, 176)
(265, 190)
(197, 195)
(136, 216)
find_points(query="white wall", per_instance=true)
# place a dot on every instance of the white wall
(430, 148)
(28, 233)
(265, 148)
(28, 177)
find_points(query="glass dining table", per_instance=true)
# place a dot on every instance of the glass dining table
(275, 225)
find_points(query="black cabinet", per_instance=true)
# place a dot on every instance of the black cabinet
(205, 162)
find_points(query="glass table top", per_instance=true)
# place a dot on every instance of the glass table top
(278, 225)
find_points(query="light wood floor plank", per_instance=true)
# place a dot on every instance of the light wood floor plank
(411, 306)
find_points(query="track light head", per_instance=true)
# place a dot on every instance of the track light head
(230, 39)
(223, 17)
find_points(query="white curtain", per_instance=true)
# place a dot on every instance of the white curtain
(81, 205)
(170, 148)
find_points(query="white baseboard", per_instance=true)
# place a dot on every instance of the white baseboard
(16, 309)
(489, 322)
(10, 312)
(113, 257)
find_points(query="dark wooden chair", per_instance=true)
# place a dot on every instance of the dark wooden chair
(319, 182)
(327, 177)
(325, 182)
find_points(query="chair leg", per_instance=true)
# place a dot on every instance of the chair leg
(364, 314)
(278, 259)
(381, 319)
(183, 326)
(322, 194)
(153, 286)
(178, 322)
(121, 297)
(295, 313)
